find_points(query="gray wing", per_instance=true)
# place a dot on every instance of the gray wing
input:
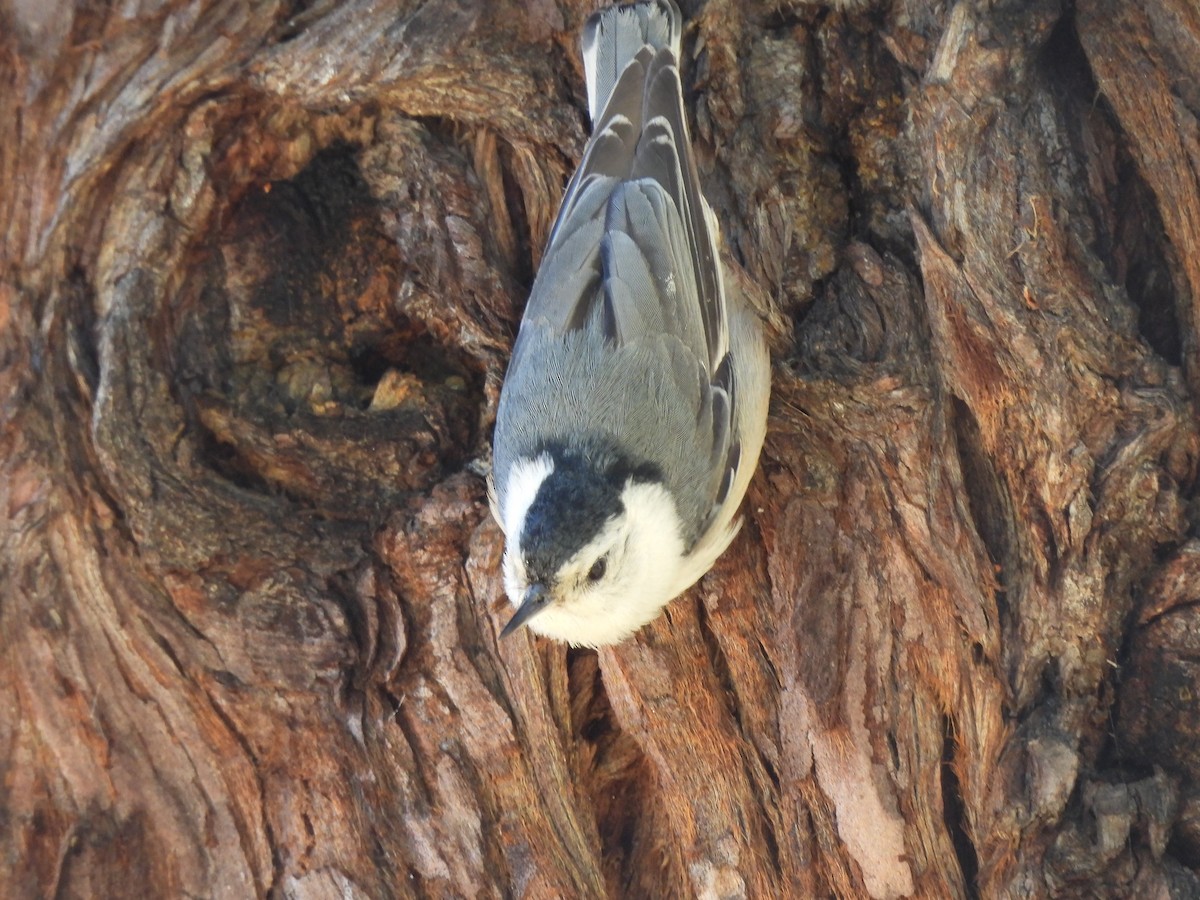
(633, 219)
(632, 262)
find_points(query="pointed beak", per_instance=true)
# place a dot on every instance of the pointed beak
(537, 597)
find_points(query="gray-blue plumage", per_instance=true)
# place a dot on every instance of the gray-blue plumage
(624, 341)
(635, 402)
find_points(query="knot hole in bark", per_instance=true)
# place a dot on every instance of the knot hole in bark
(310, 363)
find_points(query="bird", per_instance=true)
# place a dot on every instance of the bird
(634, 406)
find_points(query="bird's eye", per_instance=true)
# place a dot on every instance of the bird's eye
(599, 567)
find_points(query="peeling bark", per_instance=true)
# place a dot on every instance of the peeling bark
(262, 266)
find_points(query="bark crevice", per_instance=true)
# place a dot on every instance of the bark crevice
(261, 272)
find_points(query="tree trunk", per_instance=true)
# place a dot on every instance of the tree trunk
(262, 267)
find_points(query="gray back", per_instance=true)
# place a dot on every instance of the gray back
(625, 336)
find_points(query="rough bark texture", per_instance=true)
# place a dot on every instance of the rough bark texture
(262, 264)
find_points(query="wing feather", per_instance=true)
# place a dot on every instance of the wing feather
(633, 264)
(664, 101)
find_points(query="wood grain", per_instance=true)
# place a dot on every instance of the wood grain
(262, 266)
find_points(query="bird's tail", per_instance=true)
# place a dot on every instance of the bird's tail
(615, 35)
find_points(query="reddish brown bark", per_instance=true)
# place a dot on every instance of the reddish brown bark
(262, 266)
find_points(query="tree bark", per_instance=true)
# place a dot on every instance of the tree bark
(262, 267)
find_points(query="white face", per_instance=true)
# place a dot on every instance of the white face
(615, 584)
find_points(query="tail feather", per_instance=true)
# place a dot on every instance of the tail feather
(614, 36)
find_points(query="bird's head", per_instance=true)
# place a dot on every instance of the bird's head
(594, 547)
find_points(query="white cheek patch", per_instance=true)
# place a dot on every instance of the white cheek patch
(524, 480)
(655, 522)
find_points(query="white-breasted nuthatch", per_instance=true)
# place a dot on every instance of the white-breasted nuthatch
(635, 403)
